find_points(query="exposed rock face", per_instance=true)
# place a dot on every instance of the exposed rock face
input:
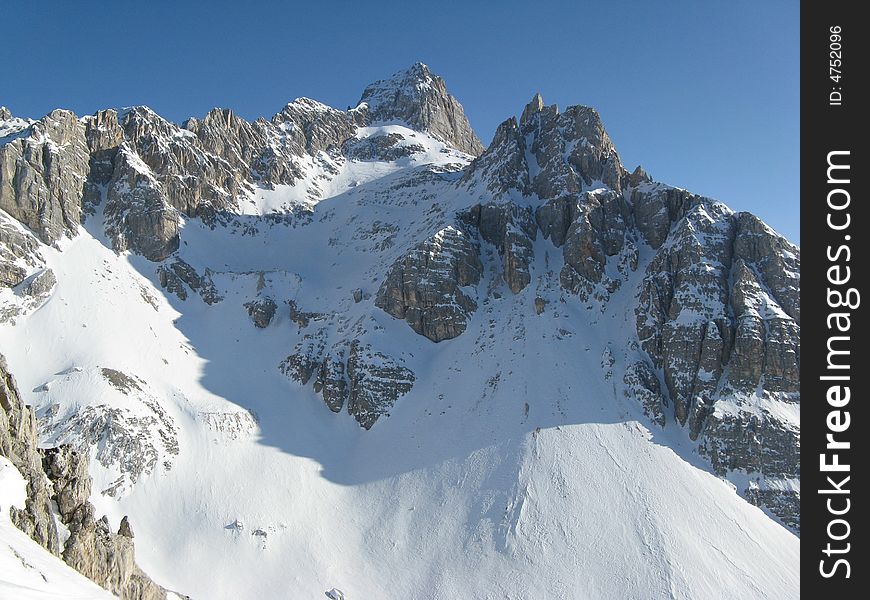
(719, 314)
(558, 157)
(190, 179)
(40, 285)
(656, 208)
(307, 358)
(598, 230)
(316, 127)
(687, 276)
(19, 252)
(31, 294)
(20, 444)
(638, 176)
(425, 286)
(104, 136)
(261, 311)
(137, 216)
(762, 445)
(125, 528)
(511, 229)
(773, 257)
(42, 174)
(576, 137)
(783, 501)
(257, 148)
(61, 475)
(331, 382)
(642, 383)
(420, 99)
(163, 172)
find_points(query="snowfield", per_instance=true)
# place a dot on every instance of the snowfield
(515, 468)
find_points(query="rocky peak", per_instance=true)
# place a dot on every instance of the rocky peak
(572, 149)
(638, 176)
(551, 154)
(535, 106)
(5, 114)
(420, 99)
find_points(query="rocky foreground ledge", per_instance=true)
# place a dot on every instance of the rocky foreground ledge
(60, 475)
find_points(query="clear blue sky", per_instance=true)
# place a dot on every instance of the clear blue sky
(703, 94)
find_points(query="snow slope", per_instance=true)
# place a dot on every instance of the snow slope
(513, 468)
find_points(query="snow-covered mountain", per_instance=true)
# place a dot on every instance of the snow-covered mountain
(356, 353)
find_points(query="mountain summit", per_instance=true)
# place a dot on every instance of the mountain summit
(356, 347)
(420, 99)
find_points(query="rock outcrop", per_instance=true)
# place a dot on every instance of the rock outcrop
(22, 268)
(351, 373)
(138, 218)
(375, 381)
(385, 148)
(20, 444)
(60, 476)
(261, 311)
(177, 277)
(92, 549)
(425, 287)
(642, 383)
(43, 169)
